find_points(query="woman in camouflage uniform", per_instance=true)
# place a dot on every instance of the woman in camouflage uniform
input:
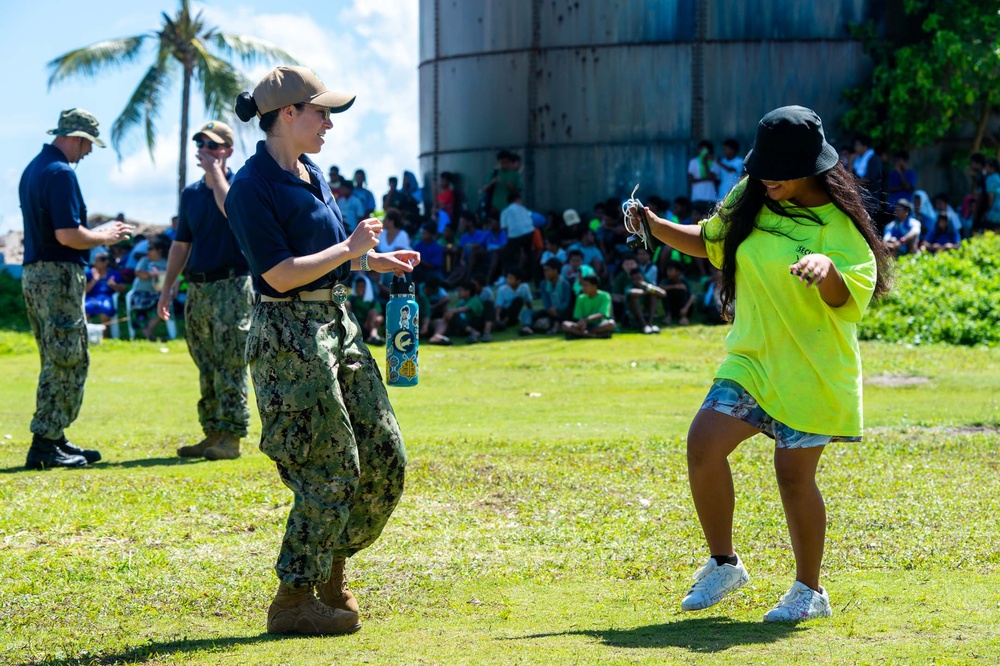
(325, 414)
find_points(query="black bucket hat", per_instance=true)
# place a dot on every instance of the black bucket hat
(789, 145)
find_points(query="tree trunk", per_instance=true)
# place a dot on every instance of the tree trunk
(984, 121)
(185, 102)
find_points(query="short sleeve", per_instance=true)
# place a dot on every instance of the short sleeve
(255, 224)
(855, 261)
(713, 233)
(65, 201)
(184, 234)
(605, 304)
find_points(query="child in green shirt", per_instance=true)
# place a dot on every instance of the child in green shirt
(592, 312)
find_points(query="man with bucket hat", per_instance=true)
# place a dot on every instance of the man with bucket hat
(219, 298)
(57, 243)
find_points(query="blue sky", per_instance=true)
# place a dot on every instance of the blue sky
(369, 47)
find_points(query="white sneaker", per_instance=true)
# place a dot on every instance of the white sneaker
(801, 602)
(713, 582)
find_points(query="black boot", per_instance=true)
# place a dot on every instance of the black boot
(44, 453)
(69, 447)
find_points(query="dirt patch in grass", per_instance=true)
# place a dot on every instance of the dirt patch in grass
(893, 381)
(945, 430)
(970, 430)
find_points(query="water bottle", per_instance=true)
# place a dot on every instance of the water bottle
(402, 328)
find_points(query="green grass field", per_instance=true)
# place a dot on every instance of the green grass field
(547, 518)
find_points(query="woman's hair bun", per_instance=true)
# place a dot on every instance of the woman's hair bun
(246, 107)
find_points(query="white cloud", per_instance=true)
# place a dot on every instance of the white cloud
(374, 54)
(363, 46)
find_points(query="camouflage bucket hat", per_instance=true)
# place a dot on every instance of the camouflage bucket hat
(77, 122)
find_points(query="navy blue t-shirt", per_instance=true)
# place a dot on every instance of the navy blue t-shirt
(51, 199)
(275, 215)
(201, 223)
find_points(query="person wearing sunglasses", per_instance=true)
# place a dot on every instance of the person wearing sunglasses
(326, 420)
(219, 298)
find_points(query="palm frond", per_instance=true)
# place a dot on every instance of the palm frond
(91, 60)
(220, 82)
(144, 105)
(251, 50)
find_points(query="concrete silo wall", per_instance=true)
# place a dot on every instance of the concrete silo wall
(598, 95)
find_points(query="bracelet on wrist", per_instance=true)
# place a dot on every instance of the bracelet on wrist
(364, 261)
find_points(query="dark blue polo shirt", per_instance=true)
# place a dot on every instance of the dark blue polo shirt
(201, 223)
(51, 199)
(275, 215)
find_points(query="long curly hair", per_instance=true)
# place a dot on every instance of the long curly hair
(739, 218)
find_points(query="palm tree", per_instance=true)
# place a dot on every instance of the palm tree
(182, 40)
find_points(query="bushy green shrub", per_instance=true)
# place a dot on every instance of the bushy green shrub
(13, 315)
(949, 297)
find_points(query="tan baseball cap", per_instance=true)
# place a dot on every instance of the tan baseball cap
(284, 86)
(77, 122)
(217, 131)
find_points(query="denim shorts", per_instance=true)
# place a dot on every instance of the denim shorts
(728, 397)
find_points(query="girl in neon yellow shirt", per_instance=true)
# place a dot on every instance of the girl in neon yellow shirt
(800, 261)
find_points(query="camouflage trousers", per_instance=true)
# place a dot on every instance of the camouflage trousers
(53, 294)
(327, 423)
(217, 319)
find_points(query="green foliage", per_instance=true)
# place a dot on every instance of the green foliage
(13, 314)
(932, 80)
(951, 297)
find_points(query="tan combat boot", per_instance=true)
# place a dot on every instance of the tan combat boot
(295, 610)
(198, 450)
(227, 447)
(334, 592)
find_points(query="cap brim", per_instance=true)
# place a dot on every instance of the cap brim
(93, 139)
(211, 135)
(335, 101)
(762, 169)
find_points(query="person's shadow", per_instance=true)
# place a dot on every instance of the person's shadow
(142, 653)
(705, 634)
(104, 464)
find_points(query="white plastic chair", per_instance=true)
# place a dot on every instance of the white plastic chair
(113, 325)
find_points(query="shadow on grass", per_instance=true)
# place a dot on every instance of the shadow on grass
(153, 649)
(707, 634)
(143, 462)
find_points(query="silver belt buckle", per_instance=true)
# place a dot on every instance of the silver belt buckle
(340, 293)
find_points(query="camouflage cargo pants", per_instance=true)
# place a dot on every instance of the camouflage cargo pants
(53, 294)
(217, 319)
(328, 425)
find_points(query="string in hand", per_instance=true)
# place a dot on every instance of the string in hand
(636, 223)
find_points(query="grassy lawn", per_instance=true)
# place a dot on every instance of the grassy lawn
(547, 518)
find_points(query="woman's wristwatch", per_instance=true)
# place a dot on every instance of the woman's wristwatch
(364, 261)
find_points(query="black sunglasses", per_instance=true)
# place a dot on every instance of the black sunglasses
(211, 145)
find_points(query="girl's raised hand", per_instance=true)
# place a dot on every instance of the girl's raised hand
(812, 268)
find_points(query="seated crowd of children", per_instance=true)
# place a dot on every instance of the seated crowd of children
(559, 274)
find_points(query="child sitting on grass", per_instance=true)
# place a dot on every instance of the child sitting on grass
(592, 312)
(368, 313)
(459, 320)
